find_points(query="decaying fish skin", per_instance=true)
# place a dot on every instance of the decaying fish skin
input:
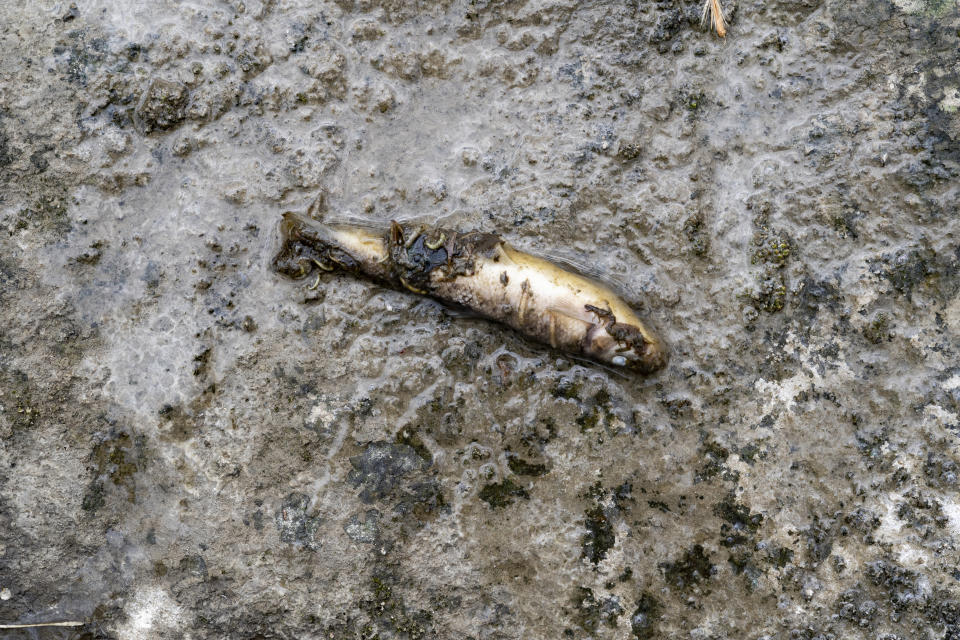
(483, 273)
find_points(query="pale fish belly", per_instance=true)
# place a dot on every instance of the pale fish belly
(555, 306)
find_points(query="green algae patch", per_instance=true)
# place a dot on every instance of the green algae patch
(599, 537)
(502, 494)
(521, 467)
(689, 570)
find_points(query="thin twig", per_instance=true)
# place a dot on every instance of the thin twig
(68, 623)
(713, 11)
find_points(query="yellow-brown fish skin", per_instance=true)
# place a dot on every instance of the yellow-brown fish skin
(481, 272)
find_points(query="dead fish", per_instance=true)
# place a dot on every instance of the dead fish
(483, 273)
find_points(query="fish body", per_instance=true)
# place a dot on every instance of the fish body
(481, 272)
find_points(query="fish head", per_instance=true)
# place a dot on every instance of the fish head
(628, 346)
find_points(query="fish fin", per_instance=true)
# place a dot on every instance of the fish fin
(508, 254)
(553, 327)
(582, 317)
(457, 311)
(341, 220)
(593, 364)
(396, 233)
(318, 206)
(577, 263)
(555, 315)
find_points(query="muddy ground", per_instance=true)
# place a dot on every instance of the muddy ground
(193, 447)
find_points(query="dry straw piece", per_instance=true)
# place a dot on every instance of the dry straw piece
(714, 12)
(67, 623)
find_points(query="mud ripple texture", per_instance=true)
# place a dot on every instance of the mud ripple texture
(192, 447)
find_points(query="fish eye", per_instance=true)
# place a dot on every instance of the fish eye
(619, 361)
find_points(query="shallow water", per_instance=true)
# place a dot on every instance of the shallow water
(195, 446)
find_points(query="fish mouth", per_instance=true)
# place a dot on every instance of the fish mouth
(653, 358)
(645, 353)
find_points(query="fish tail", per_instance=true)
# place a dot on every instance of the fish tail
(306, 245)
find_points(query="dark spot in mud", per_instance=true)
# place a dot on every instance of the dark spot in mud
(737, 533)
(201, 362)
(714, 456)
(17, 392)
(878, 330)
(162, 106)
(295, 524)
(628, 150)
(6, 155)
(132, 51)
(816, 295)
(906, 269)
(645, 617)
(861, 521)
(91, 256)
(38, 161)
(770, 293)
(870, 442)
(773, 248)
(521, 467)
(193, 565)
(590, 613)
(659, 505)
(677, 406)
(176, 424)
(599, 537)
(412, 440)
(753, 451)
(819, 539)
(47, 213)
(689, 570)
(381, 468)
(299, 44)
(396, 473)
(697, 234)
(93, 498)
(502, 494)
(940, 470)
(690, 98)
(921, 512)
(567, 388)
(669, 21)
(611, 415)
(622, 496)
(10, 279)
(79, 56)
(608, 504)
(776, 555)
(740, 525)
(388, 615)
(367, 530)
(115, 459)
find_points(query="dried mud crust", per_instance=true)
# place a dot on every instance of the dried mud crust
(187, 449)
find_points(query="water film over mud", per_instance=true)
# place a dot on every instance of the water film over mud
(194, 446)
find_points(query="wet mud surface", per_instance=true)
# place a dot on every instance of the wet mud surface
(193, 446)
